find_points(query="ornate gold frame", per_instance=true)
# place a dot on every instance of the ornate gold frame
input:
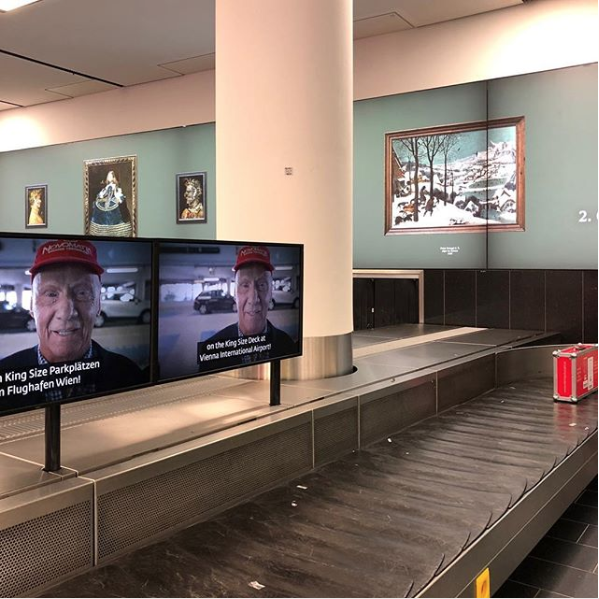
(125, 168)
(447, 130)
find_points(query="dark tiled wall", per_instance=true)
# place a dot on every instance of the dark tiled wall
(384, 302)
(589, 306)
(493, 299)
(527, 295)
(563, 302)
(395, 301)
(547, 300)
(460, 297)
(434, 302)
(363, 304)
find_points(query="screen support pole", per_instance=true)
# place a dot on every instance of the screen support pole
(52, 435)
(275, 383)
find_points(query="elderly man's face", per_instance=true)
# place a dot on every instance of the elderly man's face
(253, 294)
(66, 301)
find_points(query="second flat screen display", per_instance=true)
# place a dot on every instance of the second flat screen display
(224, 306)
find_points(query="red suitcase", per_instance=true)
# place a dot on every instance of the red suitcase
(574, 372)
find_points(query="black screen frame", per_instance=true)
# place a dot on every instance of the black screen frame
(154, 379)
(42, 237)
(235, 243)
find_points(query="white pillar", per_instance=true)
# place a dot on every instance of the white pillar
(284, 100)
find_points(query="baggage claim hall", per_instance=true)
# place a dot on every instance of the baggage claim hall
(298, 298)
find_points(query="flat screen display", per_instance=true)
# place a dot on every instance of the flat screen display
(75, 318)
(227, 305)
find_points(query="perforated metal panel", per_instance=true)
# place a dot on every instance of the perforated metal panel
(387, 415)
(45, 549)
(335, 435)
(131, 514)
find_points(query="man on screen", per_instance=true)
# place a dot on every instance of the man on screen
(253, 330)
(65, 280)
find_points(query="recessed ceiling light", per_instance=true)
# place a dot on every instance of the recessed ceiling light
(6, 5)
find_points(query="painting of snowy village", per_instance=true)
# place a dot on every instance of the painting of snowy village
(456, 178)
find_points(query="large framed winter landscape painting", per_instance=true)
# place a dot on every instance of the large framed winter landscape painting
(455, 178)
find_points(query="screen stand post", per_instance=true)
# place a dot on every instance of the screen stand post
(52, 435)
(275, 383)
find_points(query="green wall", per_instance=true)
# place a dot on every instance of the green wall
(560, 108)
(374, 118)
(160, 156)
(561, 168)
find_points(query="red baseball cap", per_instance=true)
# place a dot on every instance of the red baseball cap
(253, 254)
(66, 251)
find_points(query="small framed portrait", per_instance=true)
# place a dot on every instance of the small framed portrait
(110, 202)
(36, 207)
(191, 198)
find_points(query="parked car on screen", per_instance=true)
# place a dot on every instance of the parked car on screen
(215, 300)
(122, 304)
(15, 317)
(284, 298)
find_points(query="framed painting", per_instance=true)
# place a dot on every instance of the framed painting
(36, 207)
(191, 198)
(110, 203)
(455, 178)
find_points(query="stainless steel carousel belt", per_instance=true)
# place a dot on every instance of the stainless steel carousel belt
(386, 520)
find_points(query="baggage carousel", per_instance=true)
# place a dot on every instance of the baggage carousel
(397, 518)
(409, 484)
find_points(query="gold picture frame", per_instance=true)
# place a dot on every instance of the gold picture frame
(466, 177)
(36, 207)
(110, 196)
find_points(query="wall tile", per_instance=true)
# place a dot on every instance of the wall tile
(384, 302)
(527, 299)
(564, 304)
(568, 303)
(433, 297)
(590, 306)
(363, 303)
(406, 300)
(492, 299)
(460, 303)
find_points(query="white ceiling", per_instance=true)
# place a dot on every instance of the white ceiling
(127, 42)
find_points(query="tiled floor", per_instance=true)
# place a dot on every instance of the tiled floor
(564, 562)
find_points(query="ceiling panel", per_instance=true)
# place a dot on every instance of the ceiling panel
(427, 12)
(74, 90)
(128, 42)
(116, 40)
(379, 25)
(192, 65)
(26, 83)
(364, 9)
